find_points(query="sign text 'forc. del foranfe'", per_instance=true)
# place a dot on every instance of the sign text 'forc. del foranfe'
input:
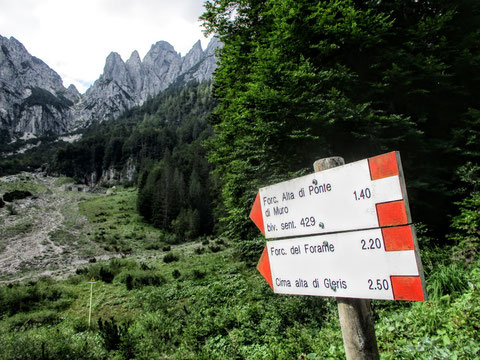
(345, 233)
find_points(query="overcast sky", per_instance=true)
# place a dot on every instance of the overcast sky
(74, 37)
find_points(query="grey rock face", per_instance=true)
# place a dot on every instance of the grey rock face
(125, 85)
(34, 100)
(32, 96)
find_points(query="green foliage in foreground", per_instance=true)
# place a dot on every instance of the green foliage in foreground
(209, 305)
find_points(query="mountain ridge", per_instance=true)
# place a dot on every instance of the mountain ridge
(34, 101)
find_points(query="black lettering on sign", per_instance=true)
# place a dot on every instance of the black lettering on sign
(378, 284)
(362, 194)
(288, 225)
(371, 244)
(301, 283)
(271, 227)
(295, 250)
(282, 283)
(319, 248)
(334, 284)
(277, 251)
(288, 196)
(280, 210)
(319, 189)
(308, 221)
(269, 200)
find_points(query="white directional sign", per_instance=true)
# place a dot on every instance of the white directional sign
(356, 241)
(365, 194)
(372, 264)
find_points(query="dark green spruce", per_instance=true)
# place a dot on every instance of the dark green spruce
(302, 80)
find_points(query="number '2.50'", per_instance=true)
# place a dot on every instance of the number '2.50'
(378, 284)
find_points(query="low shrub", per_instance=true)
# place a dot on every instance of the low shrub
(197, 274)
(152, 246)
(199, 250)
(447, 280)
(170, 257)
(11, 209)
(214, 248)
(138, 279)
(17, 298)
(16, 195)
(106, 274)
(33, 319)
(112, 333)
(176, 274)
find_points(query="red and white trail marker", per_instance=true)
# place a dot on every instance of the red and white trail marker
(368, 264)
(358, 243)
(365, 194)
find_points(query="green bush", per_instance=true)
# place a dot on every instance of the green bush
(170, 257)
(16, 195)
(115, 336)
(197, 274)
(106, 274)
(447, 280)
(11, 209)
(199, 250)
(27, 297)
(138, 278)
(214, 248)
(176, 274)
(33, 319)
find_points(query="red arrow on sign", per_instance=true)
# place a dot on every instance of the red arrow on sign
(264, 267)
(256, 214)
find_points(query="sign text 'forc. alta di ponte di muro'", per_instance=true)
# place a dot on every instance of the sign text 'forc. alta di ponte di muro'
(342, 232)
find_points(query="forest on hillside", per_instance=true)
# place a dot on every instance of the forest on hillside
(162, 141)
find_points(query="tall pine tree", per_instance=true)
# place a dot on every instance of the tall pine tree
(301, 80)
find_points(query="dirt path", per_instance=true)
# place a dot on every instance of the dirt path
(30, 247)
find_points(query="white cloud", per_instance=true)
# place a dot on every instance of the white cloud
(74, 37)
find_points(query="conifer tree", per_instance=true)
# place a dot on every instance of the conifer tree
(302, 80)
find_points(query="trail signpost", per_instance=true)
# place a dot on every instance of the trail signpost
(365, 194)
(343, 232)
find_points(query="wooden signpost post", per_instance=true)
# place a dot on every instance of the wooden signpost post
(343, 232)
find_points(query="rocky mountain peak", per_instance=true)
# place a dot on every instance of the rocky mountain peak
(134, 58)
(193, 57)
(32, 96)
(212, 46)
(159, 53)
(34, 100)
(115, 69)
(135, 71)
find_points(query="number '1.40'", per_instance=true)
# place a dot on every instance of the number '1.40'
(362, 194)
